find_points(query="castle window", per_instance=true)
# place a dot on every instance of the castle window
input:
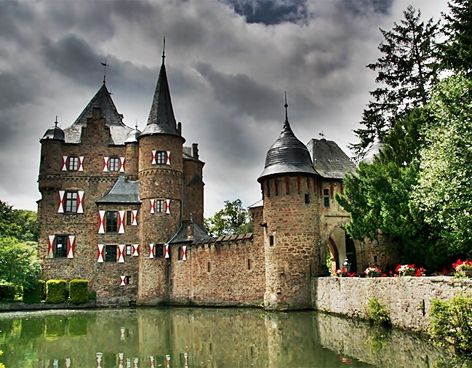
(161, 157)
(127, 280)
(159, 251)
(110, 253)
(271, 240)
(208, 267)
(114, 164)
(72, 163)
(129, 249)
(111, 220)
(249, 265)
(159, 205)
(326, 198)
(71, 201)
(129, 218)
(307, 198)
(60, 246)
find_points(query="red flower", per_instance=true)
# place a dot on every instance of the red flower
(397, 268)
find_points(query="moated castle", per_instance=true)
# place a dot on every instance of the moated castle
(124, 209)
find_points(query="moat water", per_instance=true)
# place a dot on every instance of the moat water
(206, 337)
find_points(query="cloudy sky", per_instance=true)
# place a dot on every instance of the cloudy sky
(228, 64)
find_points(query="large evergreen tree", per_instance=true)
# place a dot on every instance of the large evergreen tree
(406, 71)
(457, 49)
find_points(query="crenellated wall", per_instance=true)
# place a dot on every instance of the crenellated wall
(226, 272)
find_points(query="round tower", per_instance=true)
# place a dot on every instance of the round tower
(290, 222)
(160, 172)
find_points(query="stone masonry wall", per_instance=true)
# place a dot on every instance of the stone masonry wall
(224, 273)
(291, 238)
(407, 299)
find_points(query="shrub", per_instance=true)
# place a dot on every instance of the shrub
(7, 291)
(35, 292)
(56, 291)
(451, 322)
(377, 313)
(92, 295)
(78, 291)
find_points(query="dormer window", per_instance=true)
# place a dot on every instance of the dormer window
(73, 163)
(114, 164)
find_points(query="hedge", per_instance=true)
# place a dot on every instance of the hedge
(56, 291)
(78, 291)
(35, 293)
(7, 291)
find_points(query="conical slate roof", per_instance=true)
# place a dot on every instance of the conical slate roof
(287, 156)
(102, 99)
(54, 133)
(161, 117)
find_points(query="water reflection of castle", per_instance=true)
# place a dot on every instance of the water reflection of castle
(152, 338)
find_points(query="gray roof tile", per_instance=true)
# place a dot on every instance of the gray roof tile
(329, 159)
(123, 191)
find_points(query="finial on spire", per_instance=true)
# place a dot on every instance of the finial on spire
(104, 71)
(164, 50)
(55, 123)
(322, 135)
(136, 125)
(286, 107)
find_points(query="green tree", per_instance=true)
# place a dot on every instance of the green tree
(19, 262)
(443, 194)
(20, 224)
(406, 71)
(232, 219)
(378, 194)
(457, 49)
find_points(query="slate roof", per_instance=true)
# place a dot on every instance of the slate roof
(161, 117)
(102, 99)
(287, 155)
(54, 133)
(329, 160)
(123, 191)
(199, 234)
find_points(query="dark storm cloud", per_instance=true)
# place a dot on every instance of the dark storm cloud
(16, 90)
(269, 11)
(12, 16)
(365, 7)
(242, 94)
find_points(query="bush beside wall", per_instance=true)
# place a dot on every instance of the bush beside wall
(78, 291)
(35, 293)
(56, 291)
(7, 291)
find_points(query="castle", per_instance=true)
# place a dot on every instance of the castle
(124, 209)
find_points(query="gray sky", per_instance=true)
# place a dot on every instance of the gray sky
(228, 64)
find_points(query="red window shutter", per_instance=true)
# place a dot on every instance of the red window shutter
(168, 158)
(51, 246)
(122, 164)
(80, 203)
(61, 201)
(64, 163)
(70, 246)
(105, 163)
(81, 163)
(100, 253)
(153, 157)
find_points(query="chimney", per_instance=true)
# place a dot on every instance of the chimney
(195, 150)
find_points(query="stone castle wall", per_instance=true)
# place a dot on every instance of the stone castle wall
(227, 272)
(407, 299)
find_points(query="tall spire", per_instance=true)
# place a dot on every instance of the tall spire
(164, 50)
(286, 107)
(161, 117)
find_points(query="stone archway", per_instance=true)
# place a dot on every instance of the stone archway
(341, 247)
(333, 261)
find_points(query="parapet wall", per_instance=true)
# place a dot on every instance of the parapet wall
(407, 299)
(224, 272)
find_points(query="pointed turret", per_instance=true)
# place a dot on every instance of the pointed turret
(161, 117)
(287, 155)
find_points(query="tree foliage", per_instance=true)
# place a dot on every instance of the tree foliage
(444, 190)
(232, 219)
(378, 194)
(457, 49)
(19, 262)
(20, 224)
(406, 71)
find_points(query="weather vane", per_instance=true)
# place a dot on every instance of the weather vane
(104, 71)
(322, 135)
(286, 106)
